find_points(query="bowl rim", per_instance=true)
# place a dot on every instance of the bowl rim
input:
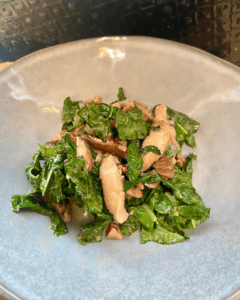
(116, 38)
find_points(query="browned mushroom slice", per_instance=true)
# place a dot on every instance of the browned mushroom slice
(59, 207)
(76, 129)
(164, 167)
(83, 150)
(96, 99)
(89, 130)
(57, 137)
(112, 183)
(67, 214)
(135, 192)
(152, 185)
(111, 147)
(180, 160)
(161, 139)
(119, 104)
(73, 137)
(113, 232)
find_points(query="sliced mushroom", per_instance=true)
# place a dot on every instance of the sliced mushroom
(76, 129)
(147, 114)
(83, 150)
(119, 104)
(111, 147)
(162, 138)
(141, 185)
(50, 144)
(99, 156)
(89, 130)
(135, 192)
(123, 168)
(59, 207)
(108, 138)
(57, 137)
(180, 160)
(96, 99)
(67, 214)
(113, 232)
(164, 167)
(152, 185)
(73, 137)
(112, 183)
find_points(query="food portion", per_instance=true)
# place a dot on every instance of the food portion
(122, 164)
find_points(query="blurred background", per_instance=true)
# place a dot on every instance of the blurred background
(30, 25)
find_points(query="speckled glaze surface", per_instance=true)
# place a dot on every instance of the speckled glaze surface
(35, 264)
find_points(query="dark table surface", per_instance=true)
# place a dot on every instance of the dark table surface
(30, 25)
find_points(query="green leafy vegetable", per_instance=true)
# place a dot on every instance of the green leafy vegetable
(149, 178)
(66, 145)
(161, 203)
(160, 235)
(53, 179)
(187, 166)
(108, 110)
(137, 201)
(134, 160)
(48, 153)
(86, 190)
(121, 96)
(171, 151)
(130, 226)
(93, 231)
(153, 149)
(144, 215)
(18, 202)
(182, 187)
(191, 210)
(131, 125)
(69, 111)
(96, 120)
(94, 154)
(162, 213)
(185, 127)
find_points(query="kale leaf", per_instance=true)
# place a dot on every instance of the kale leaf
(160, 235)
(182, 188)
(96, 120)
(153, 149)
(144, 215)
(185, 127)
(85, 185)
(93, 231)
(131, 125)
(130, 226)
(18, 202)
(134, 160)
(53, 179)
(69, 111)
(149, 178)
(121, 96)
(160, 202)
(66, 145)
(108, 110)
